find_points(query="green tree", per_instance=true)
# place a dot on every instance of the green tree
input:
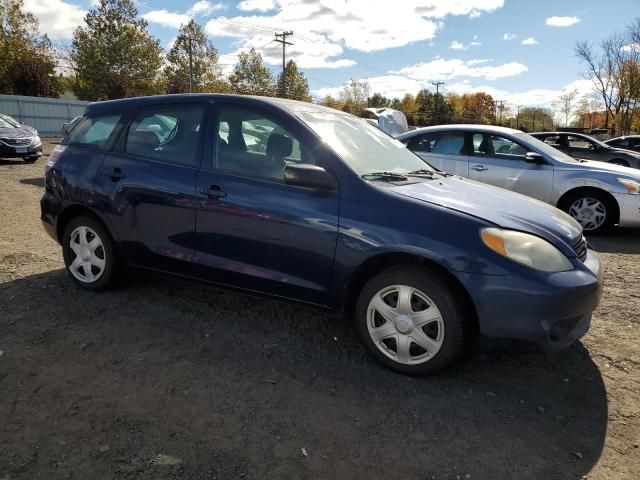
(293, 84)
(192, 59)
(329, 101)
(27, 62)
(250, 76)
(354, 96)
(114, 55)
(377, 100)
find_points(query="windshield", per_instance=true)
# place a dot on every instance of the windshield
(12, 122)
(5, 124)
(545, 148)
(365, 148)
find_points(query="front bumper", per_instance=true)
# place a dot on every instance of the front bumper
(10, 151)
(629, 209)
(552, 310)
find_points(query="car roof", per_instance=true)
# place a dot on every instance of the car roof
(292, 106)
(462, 127)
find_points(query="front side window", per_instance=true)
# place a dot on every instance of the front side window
(496, 146)
(253, 144)
(94, 131)
(169, 133)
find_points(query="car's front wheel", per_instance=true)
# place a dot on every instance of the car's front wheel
(89, 254)
(593, 210)
(412, 320)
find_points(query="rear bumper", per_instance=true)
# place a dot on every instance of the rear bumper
(551, 310)
(50, 210)
(629, 209)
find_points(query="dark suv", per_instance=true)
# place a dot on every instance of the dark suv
(580, 146)
(307, 203)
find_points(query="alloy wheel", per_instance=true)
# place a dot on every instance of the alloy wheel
(590, 212)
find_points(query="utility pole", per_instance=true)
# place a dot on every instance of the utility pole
(284, 43)
(518, 118)
(190, 66)
(533, 126)
(437, 85)
(500, 109)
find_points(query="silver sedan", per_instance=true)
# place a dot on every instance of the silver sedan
(596, 194)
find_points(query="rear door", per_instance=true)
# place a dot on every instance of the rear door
(500, 161)
(148, 184)
(444, 150)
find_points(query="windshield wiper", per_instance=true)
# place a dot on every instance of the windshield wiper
(390, 176)
(421, 172)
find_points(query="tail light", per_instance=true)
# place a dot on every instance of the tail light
(54, 156)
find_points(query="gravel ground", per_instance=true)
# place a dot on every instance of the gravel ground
(168, 379)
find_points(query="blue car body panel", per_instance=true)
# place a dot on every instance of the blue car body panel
(307, 245)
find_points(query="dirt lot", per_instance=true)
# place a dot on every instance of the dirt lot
(169, 379)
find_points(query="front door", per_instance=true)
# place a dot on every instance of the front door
(252, 230)
(500, 161)
(149, 185)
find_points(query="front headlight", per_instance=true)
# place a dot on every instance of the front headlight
(632, 186)
(526, 249)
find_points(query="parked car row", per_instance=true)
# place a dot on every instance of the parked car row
(306, 203)
(596, 194)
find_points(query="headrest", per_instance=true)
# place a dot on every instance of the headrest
(279, 146)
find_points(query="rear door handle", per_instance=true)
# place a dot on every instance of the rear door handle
(214, 191)
(115, 174)
(479, 168)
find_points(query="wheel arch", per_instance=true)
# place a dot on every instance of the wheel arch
(74, 211)
(585, 189)
(377, 263)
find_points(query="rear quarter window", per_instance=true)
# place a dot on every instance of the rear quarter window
(94, 132)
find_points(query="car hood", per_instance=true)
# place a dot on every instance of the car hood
(498, 206)
(15, 132)
(603, 167)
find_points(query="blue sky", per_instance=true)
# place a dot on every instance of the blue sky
(517, 50)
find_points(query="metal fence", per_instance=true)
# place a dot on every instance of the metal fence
(45, 114)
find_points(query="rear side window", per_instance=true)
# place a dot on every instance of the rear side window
(422, 143)
(449, 143)
(170, 133)
(94, 131)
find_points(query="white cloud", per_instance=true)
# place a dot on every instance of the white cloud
(561, 21)
(455, 45)
(57, 18)
(631, 47)
(529, 41)
(166, 18)
(442, 69)
(331, 25)
(507, 37)
(259, 5)
(203, 7)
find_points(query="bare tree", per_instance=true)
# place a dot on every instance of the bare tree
(614, 73)
(566, 104)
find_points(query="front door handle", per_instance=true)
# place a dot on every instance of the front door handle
(214, 191)
(479, 168)
(115, 174)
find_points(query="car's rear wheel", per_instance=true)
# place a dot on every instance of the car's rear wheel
(89, 254)
(412, 320)
(593, 210)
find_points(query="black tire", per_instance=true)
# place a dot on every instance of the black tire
(617, 161)
(29, 159)
(454, 311)
(609, 205)
(111, 269)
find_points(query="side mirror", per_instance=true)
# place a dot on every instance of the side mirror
(310, 176)
(536, 158)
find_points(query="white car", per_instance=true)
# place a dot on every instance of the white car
(596, 194)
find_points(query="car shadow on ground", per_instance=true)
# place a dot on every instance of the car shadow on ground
(166, 378)
(36, 182)
(618, 240)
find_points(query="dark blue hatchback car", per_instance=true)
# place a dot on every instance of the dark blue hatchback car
(303, 202)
